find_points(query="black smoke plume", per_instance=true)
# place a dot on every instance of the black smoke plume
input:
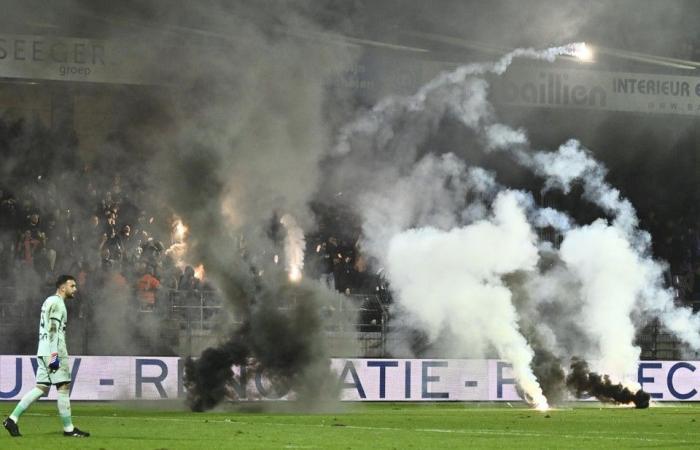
(281, 334)
(208, 378)
(235, 145)
(548, 370)
(582, 382)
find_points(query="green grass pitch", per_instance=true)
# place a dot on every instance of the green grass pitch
(359, 425)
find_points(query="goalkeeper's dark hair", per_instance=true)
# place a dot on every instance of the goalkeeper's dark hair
(63, 279)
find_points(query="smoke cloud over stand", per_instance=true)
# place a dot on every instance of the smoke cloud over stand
(235, 137)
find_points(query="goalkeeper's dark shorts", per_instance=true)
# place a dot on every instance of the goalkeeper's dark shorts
(44, 374)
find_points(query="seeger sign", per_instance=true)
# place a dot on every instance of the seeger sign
(68, 59)
(131, 378)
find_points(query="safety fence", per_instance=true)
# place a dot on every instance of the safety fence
(184, 322)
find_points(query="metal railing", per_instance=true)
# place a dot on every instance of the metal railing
(193, 309)
(193, 316)
(360, 318)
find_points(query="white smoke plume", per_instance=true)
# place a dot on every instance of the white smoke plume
(294, 244)
(434, 194)
(607, 267)
(458, 90)
(620, 279)
(453, 279)
(443, 185)
(550, 217)
(447, 261)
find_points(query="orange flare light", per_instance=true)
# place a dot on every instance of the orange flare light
(199, 272)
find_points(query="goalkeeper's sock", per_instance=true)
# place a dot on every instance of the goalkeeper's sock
(24, 404)
(64, 411)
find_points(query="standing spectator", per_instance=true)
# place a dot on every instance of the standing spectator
(129, 244)
(152, 251)
(170, 276)
(189, 295)
(9, 217)
(105, 260)
(147, 288)
(93, 232)
(107, 203)
(33, 225)
(31, 243)
(110, 228)
(116, 250)
(8, 229)
(143, 227)
(325, 265)
(26, 248)
(188, 282)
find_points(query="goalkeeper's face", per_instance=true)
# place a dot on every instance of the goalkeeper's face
(70, 288)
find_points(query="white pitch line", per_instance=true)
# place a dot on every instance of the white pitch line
(484, 431)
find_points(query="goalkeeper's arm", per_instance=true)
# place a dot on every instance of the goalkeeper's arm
(53, 323)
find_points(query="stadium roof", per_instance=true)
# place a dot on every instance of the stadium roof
(626, 36)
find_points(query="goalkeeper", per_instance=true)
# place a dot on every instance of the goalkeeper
(52, 359)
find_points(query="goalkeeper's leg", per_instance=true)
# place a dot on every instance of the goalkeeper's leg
(64, 407)
(26, 401)
(64, 412)
(30, 397)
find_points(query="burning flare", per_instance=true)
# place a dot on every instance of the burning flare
(294, 274)
(199, 272)
(178, 247)
(582, 52)
(294, 244)
(178, 242)
(179, 231)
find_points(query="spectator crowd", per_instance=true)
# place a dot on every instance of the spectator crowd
(89, 220)
(59, 216)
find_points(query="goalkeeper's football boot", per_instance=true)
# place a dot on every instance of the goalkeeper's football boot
(76, 433)
(11, 427)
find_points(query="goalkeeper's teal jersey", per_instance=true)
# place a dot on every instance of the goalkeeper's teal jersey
(53, 312)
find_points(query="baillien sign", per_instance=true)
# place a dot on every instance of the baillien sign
(550, 87)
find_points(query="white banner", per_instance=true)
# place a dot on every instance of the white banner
(589, 89)
(130, 378)
(68, 59)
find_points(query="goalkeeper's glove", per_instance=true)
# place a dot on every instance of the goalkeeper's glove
(53, 365)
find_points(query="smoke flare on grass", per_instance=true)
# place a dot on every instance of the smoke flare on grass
(209, 378)
(582, 382)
